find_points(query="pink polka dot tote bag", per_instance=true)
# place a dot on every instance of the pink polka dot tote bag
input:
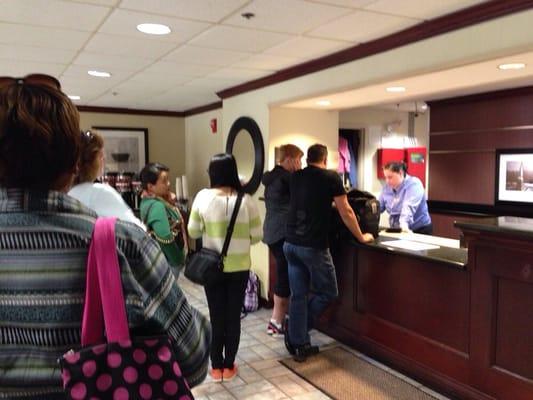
(120, 368)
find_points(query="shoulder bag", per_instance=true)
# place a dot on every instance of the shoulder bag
(118, 366)
(206, 266)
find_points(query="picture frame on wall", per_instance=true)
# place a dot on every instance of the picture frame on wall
(126, 149)
(514, 177)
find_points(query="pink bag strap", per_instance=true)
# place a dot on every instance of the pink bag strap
(104, 300)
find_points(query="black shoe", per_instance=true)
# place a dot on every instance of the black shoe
(304, 351)
(288, 345)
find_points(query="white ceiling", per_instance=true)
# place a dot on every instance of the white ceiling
(211, 46)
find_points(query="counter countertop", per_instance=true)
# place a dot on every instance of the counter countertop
(456, 257)
(513, 225)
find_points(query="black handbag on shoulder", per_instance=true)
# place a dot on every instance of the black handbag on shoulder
(206, 266)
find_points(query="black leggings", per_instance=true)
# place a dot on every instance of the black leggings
(282, 288)
(225, 301)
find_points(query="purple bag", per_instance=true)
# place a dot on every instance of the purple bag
(121, 368)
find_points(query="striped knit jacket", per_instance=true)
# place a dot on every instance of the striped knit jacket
(210, 215)
(44, 238)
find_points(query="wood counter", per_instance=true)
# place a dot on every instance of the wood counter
(464, 328)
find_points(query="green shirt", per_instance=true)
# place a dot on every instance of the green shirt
(158, 216)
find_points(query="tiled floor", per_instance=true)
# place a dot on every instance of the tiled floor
(261, 376)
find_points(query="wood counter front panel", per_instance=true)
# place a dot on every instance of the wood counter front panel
(432, 302)
(466, 332)
(502, 320)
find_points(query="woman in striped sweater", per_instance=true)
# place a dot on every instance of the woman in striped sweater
(210, 215)
(44, 240)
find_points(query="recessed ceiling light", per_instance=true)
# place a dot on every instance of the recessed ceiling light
(99, 74)
(323, 103)
(74, 97)
(511, 66)
(154, 29)
(395, 89)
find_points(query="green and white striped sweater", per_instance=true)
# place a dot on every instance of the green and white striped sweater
(210, 215)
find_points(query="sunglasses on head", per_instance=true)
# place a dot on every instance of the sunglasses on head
(87, 136)
(32, 79)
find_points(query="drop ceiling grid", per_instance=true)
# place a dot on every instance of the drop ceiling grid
(211, 44)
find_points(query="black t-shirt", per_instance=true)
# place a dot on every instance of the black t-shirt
(312, 192)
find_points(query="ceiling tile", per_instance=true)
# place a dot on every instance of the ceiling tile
(122, 22)
(363, 26)
(59, 14)
(79, 73)
(291, 16)
(213, 84)
(348, 3)
(25, 35)
(267, 62)
(202, 10)
(244, 40)
(422, 9)
(164, 67)
(21, 68)
(87, 91)
(240, 74)
(123, 45)
(180, 98)
(109, 3)
(205, 56)
(30, 53)
(305, 48)
(160, 80)
(110, 62)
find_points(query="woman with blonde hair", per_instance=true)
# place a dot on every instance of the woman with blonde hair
(102, 198)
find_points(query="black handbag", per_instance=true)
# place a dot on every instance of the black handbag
(206, 266)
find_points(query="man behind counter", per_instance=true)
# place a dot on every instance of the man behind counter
(306, 247)
(404, 198)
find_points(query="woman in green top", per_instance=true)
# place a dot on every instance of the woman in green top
(162, 218)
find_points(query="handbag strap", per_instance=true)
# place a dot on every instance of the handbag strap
(231, 225)
(104, 300)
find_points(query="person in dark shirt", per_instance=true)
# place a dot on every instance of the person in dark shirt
(277, 196)
(306, 247)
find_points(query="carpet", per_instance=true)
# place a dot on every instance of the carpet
(343, 375)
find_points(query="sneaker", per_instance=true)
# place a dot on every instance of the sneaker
(230, 373)
(216, 374)
(288, 345)
(302, 352)
(276, 330)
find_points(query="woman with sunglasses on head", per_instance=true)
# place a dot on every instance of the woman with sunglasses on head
(211, 213)
(44, 240)
(161, 216)
(102, 198)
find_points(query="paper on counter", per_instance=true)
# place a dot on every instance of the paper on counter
(408, 245)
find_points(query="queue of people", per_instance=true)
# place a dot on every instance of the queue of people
(49, 203)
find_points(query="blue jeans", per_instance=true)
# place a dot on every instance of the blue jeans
(311, 271)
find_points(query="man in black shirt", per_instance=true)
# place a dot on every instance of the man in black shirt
(306, 247)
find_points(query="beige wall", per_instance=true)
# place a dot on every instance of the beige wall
(166, 136)
(304, 128)
(201, 145)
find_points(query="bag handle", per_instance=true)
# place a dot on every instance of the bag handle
(104, 299)
(231, 225)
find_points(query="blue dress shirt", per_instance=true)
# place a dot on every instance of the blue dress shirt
(406, 205)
